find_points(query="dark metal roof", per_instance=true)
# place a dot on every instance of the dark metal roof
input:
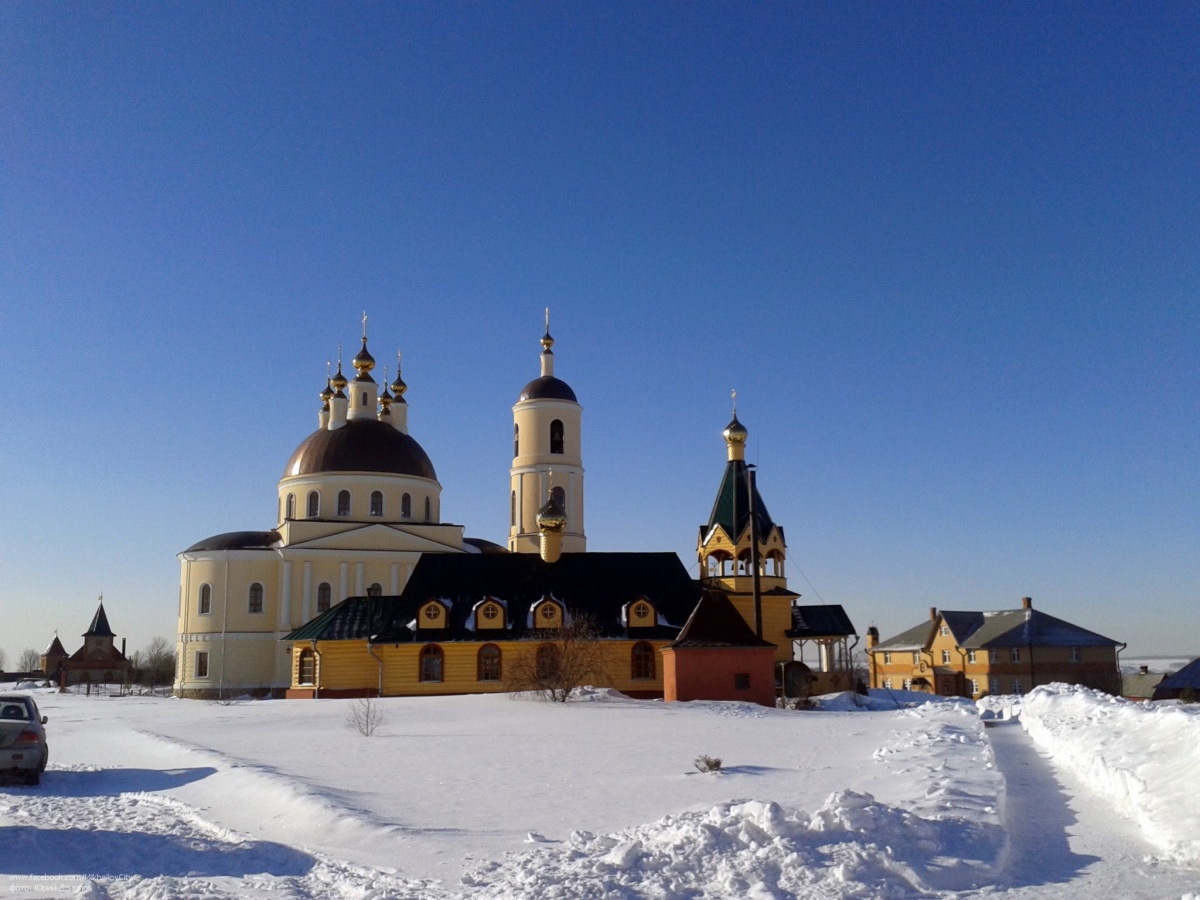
(716, 623)
(731, 509)
(484, 546)
(596, 584)
(361, 445)
(238, 540)
(99, 626)
(547, 388)
(1004, 628)
(1188, 676)
(820, 621)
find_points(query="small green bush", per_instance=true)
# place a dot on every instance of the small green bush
(1189, 695)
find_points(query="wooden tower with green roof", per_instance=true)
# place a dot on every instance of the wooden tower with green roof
(726, 548)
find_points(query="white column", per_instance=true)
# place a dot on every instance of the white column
(343, 582)
(285, 597)
(360, 570)
(308, 605)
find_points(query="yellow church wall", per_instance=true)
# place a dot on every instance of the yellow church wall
(348, 666)
(776, 621)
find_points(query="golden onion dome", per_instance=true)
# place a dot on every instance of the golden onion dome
(364, 361)
(552, 517)
(327, 393)
(339, 381)
(735, 432)
(399, 387)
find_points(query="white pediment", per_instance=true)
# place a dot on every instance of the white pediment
(380, 538)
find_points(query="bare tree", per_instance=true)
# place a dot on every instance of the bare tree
(3, 659)
(365, 716)
(29, 661)
(159, 661)
(564, 659)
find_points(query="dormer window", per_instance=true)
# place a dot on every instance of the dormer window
(548, 614)
(641, 614)
(433, 615)
(489, 615)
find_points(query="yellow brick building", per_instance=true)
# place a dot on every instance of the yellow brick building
(972, 654)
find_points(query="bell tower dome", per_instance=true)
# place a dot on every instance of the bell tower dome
(547, 458)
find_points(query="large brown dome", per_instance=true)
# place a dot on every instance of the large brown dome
(547, 388)
(361, 445)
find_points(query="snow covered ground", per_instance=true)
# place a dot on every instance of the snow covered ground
(494, 796)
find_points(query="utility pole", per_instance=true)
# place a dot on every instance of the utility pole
(757, 592)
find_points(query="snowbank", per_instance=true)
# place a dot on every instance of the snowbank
(951, 838)
(1142, 756)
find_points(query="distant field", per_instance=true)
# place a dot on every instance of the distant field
(1155, 663)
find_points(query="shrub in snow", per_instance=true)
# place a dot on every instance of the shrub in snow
(708, 764)
(364, 716)
(1189, 695)
(563, 660)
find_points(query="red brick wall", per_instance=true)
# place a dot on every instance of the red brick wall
(694, 673)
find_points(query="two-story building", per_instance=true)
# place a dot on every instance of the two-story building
(1012, 651)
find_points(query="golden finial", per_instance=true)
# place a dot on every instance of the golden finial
(364, 326)
(733, 393)
(398, 386)
(547, 341)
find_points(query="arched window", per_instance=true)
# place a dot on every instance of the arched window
(487, 663)
(343, 503)
(256, 595)
(516, 440)
(377, 503)
(406, 507)
(324, 592)
(431, 663)
(204, 607)
(314, 504)
(546, 664)
(556, 436)
(306, 668)
(291, 507)
(428, 510)
(375, 590)
(642, 660)
(512, 509)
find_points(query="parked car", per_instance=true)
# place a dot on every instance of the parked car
(23, 748)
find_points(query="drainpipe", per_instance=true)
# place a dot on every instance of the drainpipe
(1119, 684)
(379, 660)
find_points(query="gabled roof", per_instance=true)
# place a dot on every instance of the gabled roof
(99, 626)
(1188, 676)
(915, 638)
(716, 623)
(820, 621)
(596, 584)
(1002, 628)
(731, 509)
(1141, 685)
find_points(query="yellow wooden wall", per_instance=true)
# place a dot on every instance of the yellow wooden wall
(349, 666)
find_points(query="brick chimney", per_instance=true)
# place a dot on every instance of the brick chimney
(1026, 603)
(933, 614)
(872, 637)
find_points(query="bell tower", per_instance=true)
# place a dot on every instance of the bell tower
(547, 458)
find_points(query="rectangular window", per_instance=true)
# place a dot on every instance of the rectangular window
(741, 681)
(201, 663)
(916, 657)
(887, 684)
(973, 685)
(993, 656)
(887, 659)
(970, 656)
(944, 631)
(908, 684)
(1016, 686)
(1016, 654)
(1076, 655)
(994, 685)
(945, 657)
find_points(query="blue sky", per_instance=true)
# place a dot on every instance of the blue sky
(946, 254)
